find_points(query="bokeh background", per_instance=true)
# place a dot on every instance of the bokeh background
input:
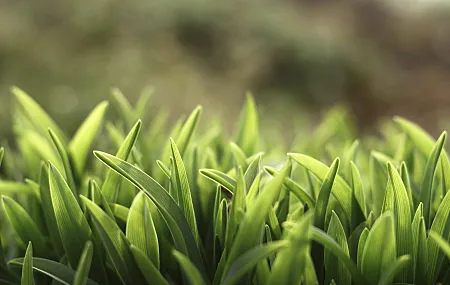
(298, 57)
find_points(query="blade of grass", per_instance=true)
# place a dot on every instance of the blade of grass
(84, 266)
(27, 268)
(81, 142)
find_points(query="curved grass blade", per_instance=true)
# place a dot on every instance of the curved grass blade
(120, 212)
(48, 211)
(248, 234)
(174, 217)
(427, 184)
(404, 239)
(148, 269)
(361, 245)
(81, 142)
(296, 189)
(396, 267)
(84, 266)
(331, 245)
(193, 275)
(324, 195)
(334, 267)
(63, 155)
(254, 189)
(72, 224)
(379, 249)
(141, 230)
(35, 113)
(163, 168)
(442, 243)
(23, 224)
(123, 106)
(113, 180)
(98, 198)
(53, 269)
(184, 191)
(220, 178)
(341, 191)
(440, 226)
(252, 171)
(357, 196)
(239, 156)
(238, 206)
(114, 242)
(248, 132)
(421, 272)
(290, 263)
(27, 268)
(250, 259)
(187, 131)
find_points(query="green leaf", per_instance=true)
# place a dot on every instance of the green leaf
(324, 195)
(81, 142)
(379, 249)
(35, 113)
(179, 227)
(415, 228)
(63, 155)
(361, 245)
(124, 107)
(426, 193)
(440, 226)
(96, 196)
(252, 223)
(238, 206)
(334, 267)
(23, 224)
(248, 133)
(395, 268)
(120, 212)
(341, 191)
(53, 269)
(422, 266)
(239, 156)
(254, 189)
(187, 131)
(357, 196)
(113, 180)
(252, 171)
(84, 266)
(220, 178)
(249, 260)
(184, 191)
(148, 269)
(72, 224)
(290, 263)
(402, 218)
(164, 168)
(141, 230)
(330, 244)
(27, 269)
(193, 275)
(296, 189)
(442, 243)
(114, 242)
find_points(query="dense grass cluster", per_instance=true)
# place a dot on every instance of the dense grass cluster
(198, 207)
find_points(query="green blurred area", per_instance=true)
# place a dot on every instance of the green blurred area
(297, 57)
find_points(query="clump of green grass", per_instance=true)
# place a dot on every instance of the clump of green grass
(196, 207)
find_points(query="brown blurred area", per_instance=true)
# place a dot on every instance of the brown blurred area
(379, 59)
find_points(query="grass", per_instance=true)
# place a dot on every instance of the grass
(194, 206)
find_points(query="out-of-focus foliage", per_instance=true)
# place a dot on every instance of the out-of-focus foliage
(366, 53)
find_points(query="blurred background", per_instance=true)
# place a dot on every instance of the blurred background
(298, 57)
